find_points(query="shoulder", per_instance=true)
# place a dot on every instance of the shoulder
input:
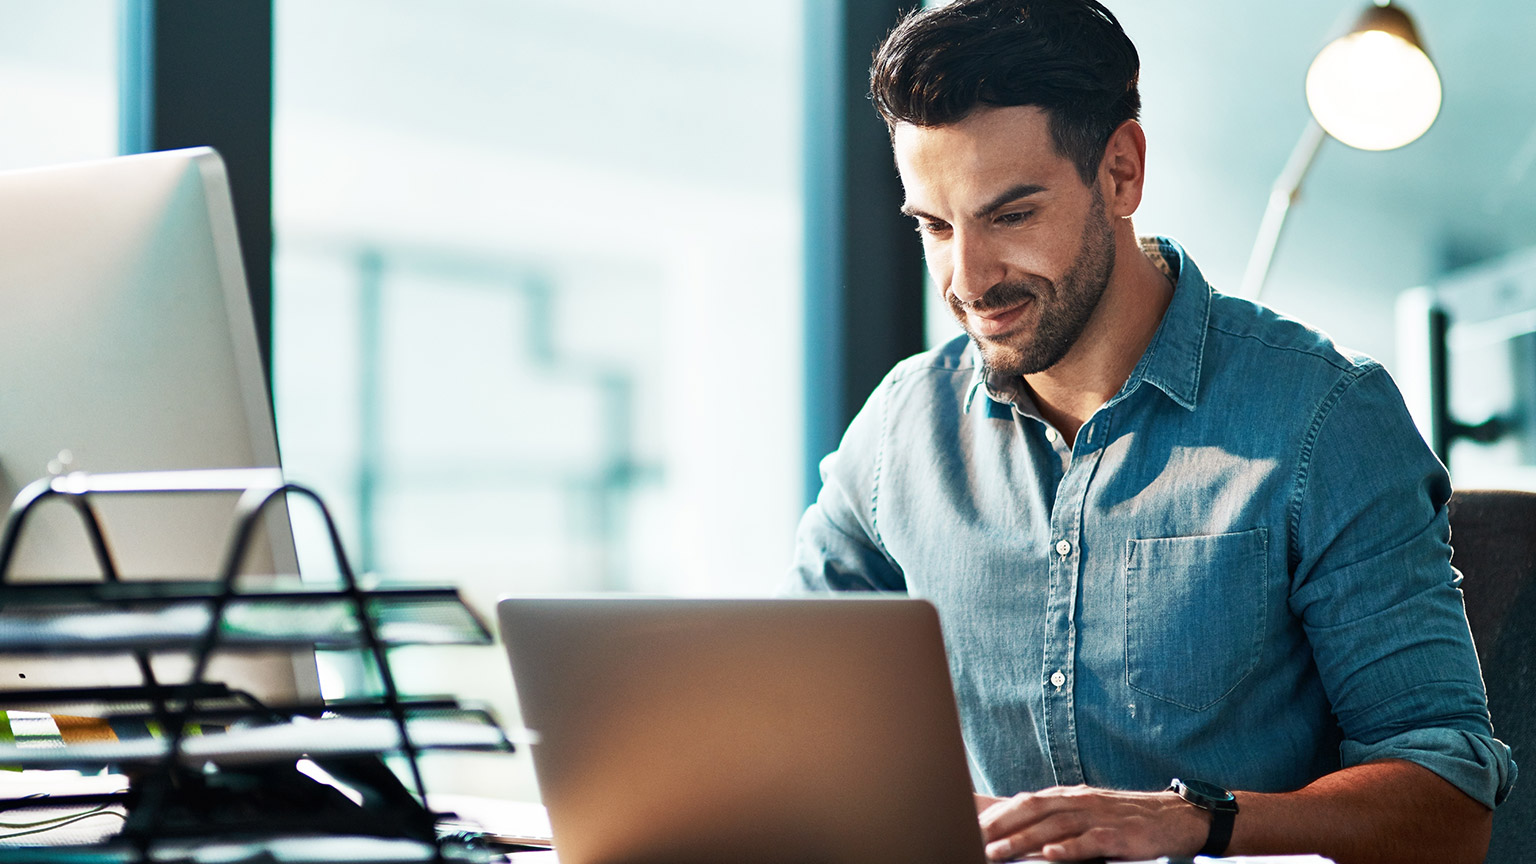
(950, 357)
(1288, 382)
(929, 389)
(947, 366)
(1242, 332)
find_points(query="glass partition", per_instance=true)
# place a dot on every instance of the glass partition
(58, 82)
(537, 306)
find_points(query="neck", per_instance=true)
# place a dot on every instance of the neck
(1111, 344)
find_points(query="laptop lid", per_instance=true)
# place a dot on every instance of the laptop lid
(681, 731)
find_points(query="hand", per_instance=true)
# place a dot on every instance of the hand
(985, 801)
(1070, 823)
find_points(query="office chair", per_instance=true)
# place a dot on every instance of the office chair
(1493, 533)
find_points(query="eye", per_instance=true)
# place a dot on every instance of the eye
(932, 227)
(1016, 217)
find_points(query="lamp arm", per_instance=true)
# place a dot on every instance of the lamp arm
(1286, 190)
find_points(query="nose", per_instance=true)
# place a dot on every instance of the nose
(974, 266)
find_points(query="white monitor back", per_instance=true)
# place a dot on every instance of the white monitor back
(127, 344)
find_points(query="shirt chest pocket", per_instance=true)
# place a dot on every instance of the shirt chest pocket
(1194, 614)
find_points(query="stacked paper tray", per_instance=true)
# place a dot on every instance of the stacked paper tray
(167, 615)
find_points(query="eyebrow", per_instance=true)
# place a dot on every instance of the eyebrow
(909, 210)
(1006, 197)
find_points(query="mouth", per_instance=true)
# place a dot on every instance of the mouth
(997, 322)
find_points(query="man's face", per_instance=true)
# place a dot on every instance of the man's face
(1020, 247)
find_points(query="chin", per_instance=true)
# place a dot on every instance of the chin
(1013, 359)
(1002, 357)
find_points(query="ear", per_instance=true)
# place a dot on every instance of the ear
(1123, 169)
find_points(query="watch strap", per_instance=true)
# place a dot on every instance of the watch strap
(1221, 831)
(1219, 803)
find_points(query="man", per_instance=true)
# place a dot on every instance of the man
(1169, 533)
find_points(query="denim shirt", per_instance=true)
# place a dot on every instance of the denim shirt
(1239, 572)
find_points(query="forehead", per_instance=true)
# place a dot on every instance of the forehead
(989, 148)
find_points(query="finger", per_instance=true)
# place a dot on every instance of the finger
(1054, 828)
(985, 801)
(1012, 815)
(1004, 817)
(998, 809)
(1094, 843)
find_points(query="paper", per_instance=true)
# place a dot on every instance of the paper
(1242, 859)
(519, 822)
(552, 858)
(42, 824)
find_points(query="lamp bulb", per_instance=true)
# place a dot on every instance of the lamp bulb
(1373, 90)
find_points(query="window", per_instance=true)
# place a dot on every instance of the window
(536, 294)
(58, 82)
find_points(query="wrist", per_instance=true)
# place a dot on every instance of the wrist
(1188, 827)
(1220, 808)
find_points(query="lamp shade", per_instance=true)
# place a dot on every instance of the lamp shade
(1375, 88)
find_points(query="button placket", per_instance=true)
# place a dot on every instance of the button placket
(1058, 717)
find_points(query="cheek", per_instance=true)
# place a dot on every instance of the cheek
(1048, 254)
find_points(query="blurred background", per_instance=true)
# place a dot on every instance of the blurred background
(571, 296)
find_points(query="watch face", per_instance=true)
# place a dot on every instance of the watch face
(1209, 791)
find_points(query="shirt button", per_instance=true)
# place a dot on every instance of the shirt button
(1058, 679)
(1063, 548)
(1050, 435)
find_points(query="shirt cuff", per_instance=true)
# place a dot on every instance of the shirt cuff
(1479, 765)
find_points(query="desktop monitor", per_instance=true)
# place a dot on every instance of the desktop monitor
(127, 344)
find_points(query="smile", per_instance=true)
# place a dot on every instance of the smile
(997, 322)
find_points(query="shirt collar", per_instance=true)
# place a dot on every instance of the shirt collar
(1171, 362)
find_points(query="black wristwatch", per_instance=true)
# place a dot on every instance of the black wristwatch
(1222, 807)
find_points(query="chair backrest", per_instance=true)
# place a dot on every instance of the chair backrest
(1493, 533)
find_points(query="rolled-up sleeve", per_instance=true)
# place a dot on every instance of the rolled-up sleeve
(1375, 590)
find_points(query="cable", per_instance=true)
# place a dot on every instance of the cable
(51, 824)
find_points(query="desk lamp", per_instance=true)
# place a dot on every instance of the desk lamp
(1373, 88)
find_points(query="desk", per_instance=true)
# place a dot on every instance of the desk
(524, 819)
(550, 858)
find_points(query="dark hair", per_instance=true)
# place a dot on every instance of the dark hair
(1067, 57)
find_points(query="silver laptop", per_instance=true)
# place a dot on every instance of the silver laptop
(692, 731)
